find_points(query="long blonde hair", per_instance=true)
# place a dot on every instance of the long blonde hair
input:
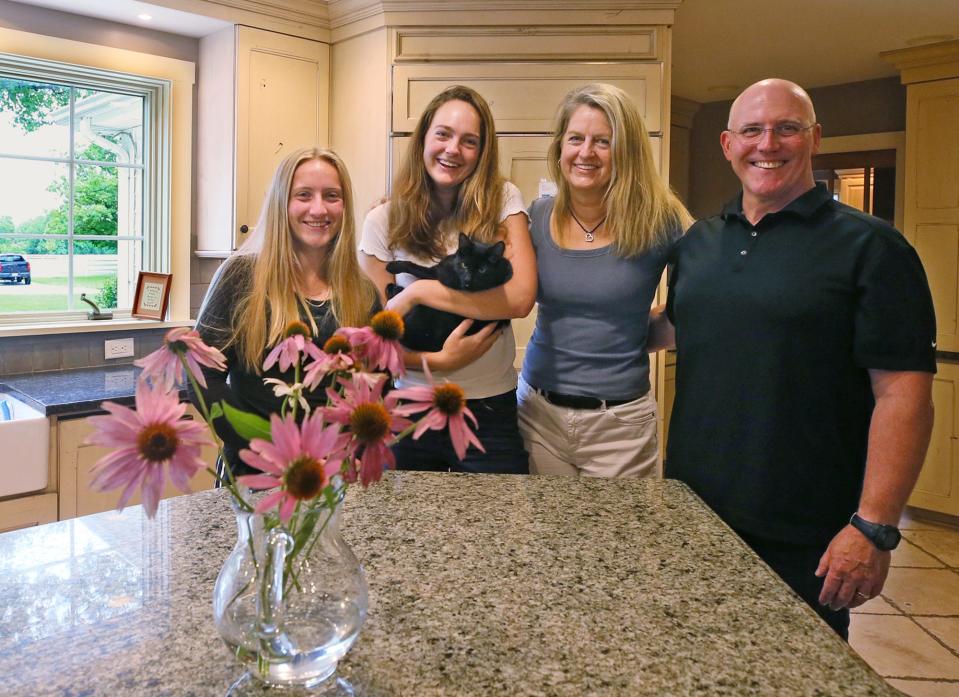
(261, 317)
(641, 210)
(414, 225)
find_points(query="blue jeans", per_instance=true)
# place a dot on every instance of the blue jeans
(497, 431)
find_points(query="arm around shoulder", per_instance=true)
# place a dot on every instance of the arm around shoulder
(660, 333)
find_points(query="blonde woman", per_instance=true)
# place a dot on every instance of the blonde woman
(449, 183)
(298, 265)
(585, 406)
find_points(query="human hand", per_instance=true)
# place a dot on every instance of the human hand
(854, 570)
(378, 202)
(460, 350)
(405, 300)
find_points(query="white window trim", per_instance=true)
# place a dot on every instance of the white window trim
(171, 185)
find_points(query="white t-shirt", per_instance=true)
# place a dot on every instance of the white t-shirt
(492, 373)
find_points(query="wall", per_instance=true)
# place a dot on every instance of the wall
(40, 20)
(63, 351)
(34, 354)
(872, 106)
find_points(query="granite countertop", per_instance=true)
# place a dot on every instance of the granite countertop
(479, 585)
(69, 392)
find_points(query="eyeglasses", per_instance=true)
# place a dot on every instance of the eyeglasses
(784, 131)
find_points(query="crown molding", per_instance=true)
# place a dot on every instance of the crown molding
(317, 18)
(307, 18)
(923, 63)
(343, 12)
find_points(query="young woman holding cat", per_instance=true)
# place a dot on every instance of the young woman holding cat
(298, 265)
(449, 183)
(601, 244)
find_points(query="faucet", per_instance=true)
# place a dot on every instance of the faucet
(95, 312)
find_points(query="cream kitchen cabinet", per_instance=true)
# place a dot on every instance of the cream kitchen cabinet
(932, 196)
(27, 511)
(76, 461)
(262, 95)
(938, 485)
(522, 96)
(931, 216)
(931, 223)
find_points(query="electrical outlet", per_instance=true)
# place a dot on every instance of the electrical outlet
(121, 381)
(117, 348)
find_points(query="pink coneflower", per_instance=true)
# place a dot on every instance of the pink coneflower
(372, 421)
(335, 358)
(145, 440)
(164, 368)
(447, 405)
(287, 352)
(379, 343)
(301, 460)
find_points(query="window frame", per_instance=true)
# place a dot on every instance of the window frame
(183, 75)
(157, 157)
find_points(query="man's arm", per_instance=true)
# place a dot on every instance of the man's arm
(898, 438)
(660, 333)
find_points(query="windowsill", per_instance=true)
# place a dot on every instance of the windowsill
(86, 326)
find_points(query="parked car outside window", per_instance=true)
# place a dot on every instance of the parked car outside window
(14, 269)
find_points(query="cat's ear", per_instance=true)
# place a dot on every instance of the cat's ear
(465, 241)
(498, 249)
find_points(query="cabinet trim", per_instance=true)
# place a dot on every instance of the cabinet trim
(425, 44)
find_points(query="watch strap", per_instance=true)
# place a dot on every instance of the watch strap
(884, 537)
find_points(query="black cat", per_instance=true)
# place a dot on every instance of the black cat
(473, 266)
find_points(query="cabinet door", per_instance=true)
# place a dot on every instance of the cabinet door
(27, 511)
(931, 219)
(523, 96)
(282, 93)
(76, 462)
(938, 485)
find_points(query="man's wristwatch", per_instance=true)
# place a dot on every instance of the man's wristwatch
(885, 537)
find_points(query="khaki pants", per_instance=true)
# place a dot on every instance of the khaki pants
(619, 441)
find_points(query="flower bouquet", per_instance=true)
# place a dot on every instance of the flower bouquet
(291, 597)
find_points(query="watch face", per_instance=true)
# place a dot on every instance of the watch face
(888, 537)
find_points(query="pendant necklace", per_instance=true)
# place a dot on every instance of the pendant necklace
(588, 233)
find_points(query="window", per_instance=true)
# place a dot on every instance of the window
(84, 157)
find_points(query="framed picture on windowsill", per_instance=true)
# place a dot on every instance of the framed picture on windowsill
(152, 295)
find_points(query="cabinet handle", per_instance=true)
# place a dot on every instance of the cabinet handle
(244, 229)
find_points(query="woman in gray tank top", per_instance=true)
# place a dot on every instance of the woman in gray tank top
(585, 406)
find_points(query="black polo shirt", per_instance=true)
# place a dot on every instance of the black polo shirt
(776, 326)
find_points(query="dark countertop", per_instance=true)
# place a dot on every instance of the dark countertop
(75, 392)
(479, 585)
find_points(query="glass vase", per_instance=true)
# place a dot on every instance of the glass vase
(290, 600)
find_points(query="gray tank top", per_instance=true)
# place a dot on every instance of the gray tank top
(593, 309)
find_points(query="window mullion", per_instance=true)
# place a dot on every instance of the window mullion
(71, 179)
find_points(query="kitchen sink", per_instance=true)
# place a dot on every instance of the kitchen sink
(24, 447)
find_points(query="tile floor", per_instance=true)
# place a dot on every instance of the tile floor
(910, 633)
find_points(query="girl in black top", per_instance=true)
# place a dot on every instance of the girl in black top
(299, 264)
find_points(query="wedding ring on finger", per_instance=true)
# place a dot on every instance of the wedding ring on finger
(863, 596)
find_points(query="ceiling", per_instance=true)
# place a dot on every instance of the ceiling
(126, 11)
(719, 46)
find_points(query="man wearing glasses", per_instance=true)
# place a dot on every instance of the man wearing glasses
(805, 343)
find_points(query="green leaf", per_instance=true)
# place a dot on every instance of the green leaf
(216, 411)
(306, 529)
(247, 425)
